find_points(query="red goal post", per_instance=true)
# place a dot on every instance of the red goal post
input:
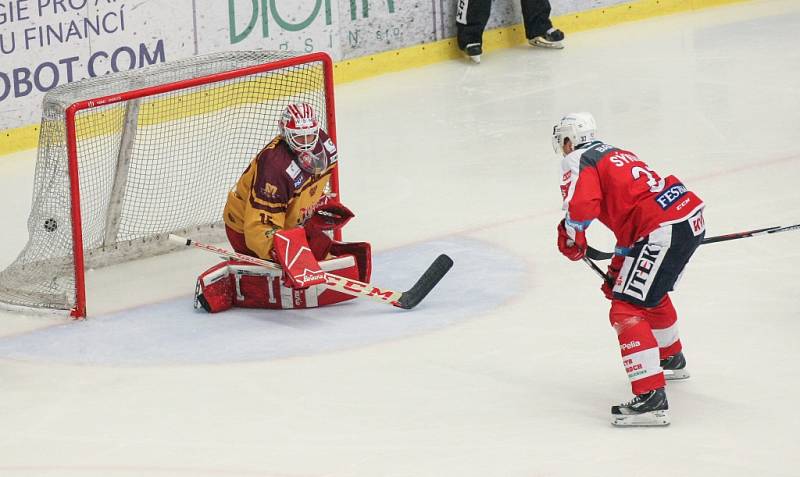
(126, 159)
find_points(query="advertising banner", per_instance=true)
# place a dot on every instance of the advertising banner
(45, 43)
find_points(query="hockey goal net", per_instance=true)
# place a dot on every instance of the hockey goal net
(126, 159)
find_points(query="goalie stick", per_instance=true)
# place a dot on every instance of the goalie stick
(406, 300)
(595, 254)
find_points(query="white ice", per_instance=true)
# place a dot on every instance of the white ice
(509, 368)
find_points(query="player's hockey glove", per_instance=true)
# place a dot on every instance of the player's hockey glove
(574, 248)
(612, 273)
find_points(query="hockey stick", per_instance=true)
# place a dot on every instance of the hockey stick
(595, 254)
(751, 233)
(596, 269)
(406, 300)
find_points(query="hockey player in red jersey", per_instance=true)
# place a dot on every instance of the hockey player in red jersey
(278, 210)
(658, 224)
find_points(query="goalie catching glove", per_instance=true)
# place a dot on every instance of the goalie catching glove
(327, 218)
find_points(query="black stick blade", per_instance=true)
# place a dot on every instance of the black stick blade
(426, 282)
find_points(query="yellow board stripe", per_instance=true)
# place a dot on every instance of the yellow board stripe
(26, 137)
(421, 55)
(19, 139)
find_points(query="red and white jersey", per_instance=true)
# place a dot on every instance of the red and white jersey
(599, 181)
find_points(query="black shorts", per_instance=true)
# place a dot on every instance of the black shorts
(654, 265)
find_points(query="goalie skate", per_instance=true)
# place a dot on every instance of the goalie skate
(649, 409)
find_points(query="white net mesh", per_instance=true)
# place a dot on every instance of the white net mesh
(148, 167)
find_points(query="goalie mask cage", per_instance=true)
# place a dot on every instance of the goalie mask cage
(128, 158)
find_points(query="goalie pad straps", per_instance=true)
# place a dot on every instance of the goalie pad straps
(300, 268)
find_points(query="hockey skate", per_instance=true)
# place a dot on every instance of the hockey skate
(553, 38)
(648, 409)
(675, 367)
(473, 52)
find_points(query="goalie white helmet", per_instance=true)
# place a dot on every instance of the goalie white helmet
(579, 128)
(300, 127)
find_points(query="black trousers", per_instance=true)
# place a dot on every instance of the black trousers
(473, 15)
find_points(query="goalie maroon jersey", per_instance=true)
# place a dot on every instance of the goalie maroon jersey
(602, 182)
(274, 193)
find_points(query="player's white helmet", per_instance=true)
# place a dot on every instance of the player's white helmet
(578, 127)
(300, 127)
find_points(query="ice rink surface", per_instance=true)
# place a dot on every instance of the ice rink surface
(507, 369)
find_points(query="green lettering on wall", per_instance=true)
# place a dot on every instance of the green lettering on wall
(237, 37)
(264, 22)
(264, 8)
(294, 26)
(365, 8)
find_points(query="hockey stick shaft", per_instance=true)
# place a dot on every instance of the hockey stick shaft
(596, 269)
(348, 286)
(751, 233)
(595, 254)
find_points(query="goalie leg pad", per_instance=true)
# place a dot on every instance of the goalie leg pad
(319, 242)
(241, 284)
(214, 290)
(361, 252)
(345, 267)
(258, 287)
(255, 286)
(234, 283)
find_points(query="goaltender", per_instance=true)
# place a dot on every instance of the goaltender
(278, 210)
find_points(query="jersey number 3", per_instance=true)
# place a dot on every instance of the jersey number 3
(656, 183)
